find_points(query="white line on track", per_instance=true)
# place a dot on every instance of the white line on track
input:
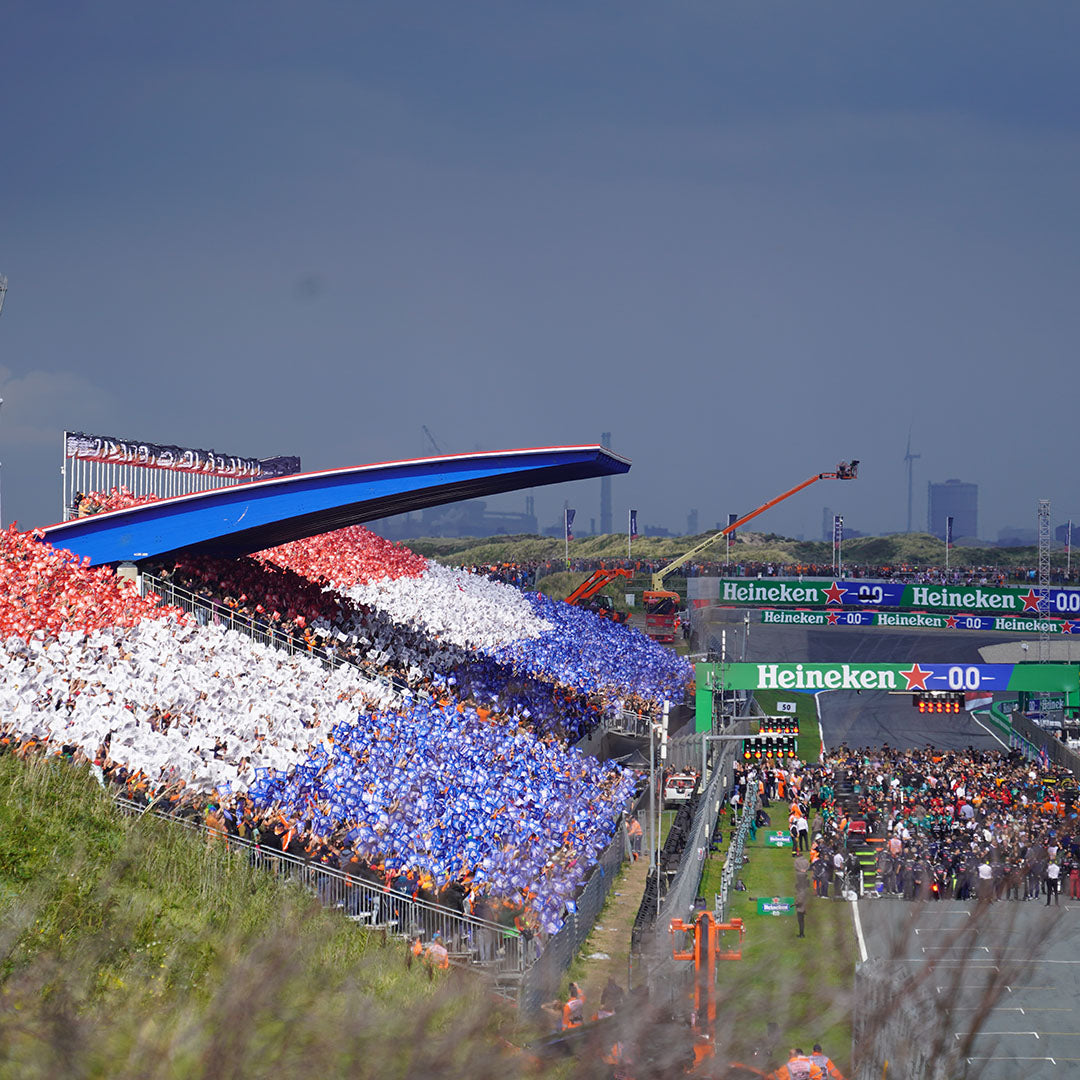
(992, 734)
(858, 931)
(965, 1034)
(1053, 1061)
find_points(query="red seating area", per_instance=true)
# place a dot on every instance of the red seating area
(46, 589)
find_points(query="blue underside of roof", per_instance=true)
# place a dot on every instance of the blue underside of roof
(238, 520)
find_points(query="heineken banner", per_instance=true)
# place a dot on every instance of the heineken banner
(904, 678)
(776, 905)
(992, 599)
(1011, 623)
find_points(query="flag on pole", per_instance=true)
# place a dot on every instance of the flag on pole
(633, 524)
(948, 532)
(731, 519)
(568, 515)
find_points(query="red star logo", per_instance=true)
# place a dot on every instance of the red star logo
(916, 677)
(1031, 601)
(1067, 627)
(950, 622)
(834, 594)
(834, 618)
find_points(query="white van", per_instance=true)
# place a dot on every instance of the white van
(678, 788)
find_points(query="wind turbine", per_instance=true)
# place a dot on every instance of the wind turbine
(909, 459)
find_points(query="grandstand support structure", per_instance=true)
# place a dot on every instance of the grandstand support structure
(249, 517)
(1044, 580)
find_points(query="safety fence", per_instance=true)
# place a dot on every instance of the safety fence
(498, 949)
(210, 613)
(1045, 743)
(733, 862)
(540, 981)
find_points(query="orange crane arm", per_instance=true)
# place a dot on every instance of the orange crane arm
(844, 471)
(595, 582)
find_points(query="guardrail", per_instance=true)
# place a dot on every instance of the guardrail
(495, 948)
(733, 862)
(1055, 749)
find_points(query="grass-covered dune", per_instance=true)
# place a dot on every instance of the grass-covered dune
(131, 947)
(915, 550)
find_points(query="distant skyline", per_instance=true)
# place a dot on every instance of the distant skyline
(748, 240)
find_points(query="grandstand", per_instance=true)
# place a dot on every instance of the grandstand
(347, 705)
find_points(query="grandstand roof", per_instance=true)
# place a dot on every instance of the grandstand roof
(251, 517)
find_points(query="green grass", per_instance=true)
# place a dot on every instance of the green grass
(803, 984)
(914, 550)
(135, 948)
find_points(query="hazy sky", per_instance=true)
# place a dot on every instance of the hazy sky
(749, 239)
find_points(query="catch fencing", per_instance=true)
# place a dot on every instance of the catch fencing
(733, 863)
(540, 981)
(1042, 740)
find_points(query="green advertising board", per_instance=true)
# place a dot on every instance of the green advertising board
(905, 678)
(840, 595)
(778, 839)
(919, 620)
(776, 905)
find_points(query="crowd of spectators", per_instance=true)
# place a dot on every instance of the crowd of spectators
(470, 788)
(945, 824)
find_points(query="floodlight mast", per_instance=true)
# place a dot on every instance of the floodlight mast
(3, 291)
(844, 471)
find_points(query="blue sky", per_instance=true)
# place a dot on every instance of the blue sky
(748, 239)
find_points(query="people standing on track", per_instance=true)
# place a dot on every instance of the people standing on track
(1053, 874)
(634, 831)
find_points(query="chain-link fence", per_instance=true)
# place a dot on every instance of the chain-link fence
(540, 981)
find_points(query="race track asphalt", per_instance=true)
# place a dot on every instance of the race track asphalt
(1011, 970)
(869, 718)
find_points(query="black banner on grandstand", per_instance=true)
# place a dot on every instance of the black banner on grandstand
(114, 451)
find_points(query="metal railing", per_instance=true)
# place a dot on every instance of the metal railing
(1056, 751)
(498, 949)
(210, 612)
(541, 981)
(733, 862)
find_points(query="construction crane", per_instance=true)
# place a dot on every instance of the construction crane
(661, 605)
(431, 439)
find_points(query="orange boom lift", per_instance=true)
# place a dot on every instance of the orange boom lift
(589, 589)
(661, 604)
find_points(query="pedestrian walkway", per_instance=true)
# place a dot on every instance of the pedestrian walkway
(610, 938)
